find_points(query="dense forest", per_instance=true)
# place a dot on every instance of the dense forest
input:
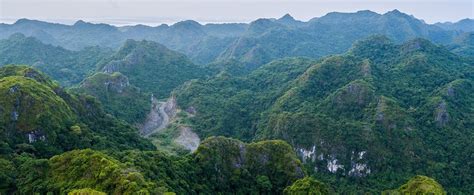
(348, 103)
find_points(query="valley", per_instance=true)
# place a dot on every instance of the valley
(346, 103)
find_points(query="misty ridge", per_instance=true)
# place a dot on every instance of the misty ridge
(345, 103)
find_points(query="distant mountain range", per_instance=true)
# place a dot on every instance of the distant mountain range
(252, 44)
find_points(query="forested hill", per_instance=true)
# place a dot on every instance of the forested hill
(378, 108)
(67, 67)
(139, 70)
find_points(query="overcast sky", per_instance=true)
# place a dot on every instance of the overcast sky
(154, 12)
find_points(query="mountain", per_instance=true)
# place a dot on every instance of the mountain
(41, 118)
(151, 67)
(464, 25)
(220, 165)
(131, 82)
(202, 43)
(362, 114)
(228, 105)
(331, 34)
(118, 96)
(67, 67)
(251, 44)
(288, 20)
(463, 45)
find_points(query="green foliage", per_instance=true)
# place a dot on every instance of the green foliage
(419, 185)
(228, 105)
(7, 176)
(41, 118)
(90, 169)
(118, 97)
(334, 33)
(168, 172)
(227, 164)
(76, 171)
(221, 165)
(32, 174)
(86, 191)
(67, 67)
(379, 113)
(152, 67)
(307, 185)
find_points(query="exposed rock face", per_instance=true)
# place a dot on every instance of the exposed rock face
(170, 107)
(358, 165)
(188, 139)
(111, 67)
(333, 164)
(35, 136)
(117, 83)
(307, 154)
(379, 115)
(366, 70)
(442, 116)
(450, 91)
(159, 116)
(355, 93)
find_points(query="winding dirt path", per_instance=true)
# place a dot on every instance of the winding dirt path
(156, 120)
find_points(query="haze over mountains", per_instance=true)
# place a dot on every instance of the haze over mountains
(344, 103)
(210, 42)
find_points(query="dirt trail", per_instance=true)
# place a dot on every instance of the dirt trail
(158, 118)
(188, 139)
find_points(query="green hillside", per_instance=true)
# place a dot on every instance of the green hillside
(378, 109)
(67, 67)
(117, 95)
(41, 118)
(152, 67)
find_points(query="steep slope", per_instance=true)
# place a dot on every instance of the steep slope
(119, 98)
(263, 167)
(39, 117)
(230, 105)
(331, 34)
(463, 45)
(378, 109)
(254, 44)
(68, 67)
(202, 43)
(152, 67)
(220, 165)
(464, 25)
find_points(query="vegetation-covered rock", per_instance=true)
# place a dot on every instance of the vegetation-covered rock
(85, 191)
(39, 117)
(90, 169)
(228, 164)
(152, 67)
(307, 185)
(365, 114)
(418, 185)
(117, 95)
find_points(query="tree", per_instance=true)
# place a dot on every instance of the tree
(308, 186)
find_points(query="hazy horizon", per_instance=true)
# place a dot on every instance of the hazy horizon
(153, 13)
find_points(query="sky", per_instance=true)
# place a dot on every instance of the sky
(155, 12)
